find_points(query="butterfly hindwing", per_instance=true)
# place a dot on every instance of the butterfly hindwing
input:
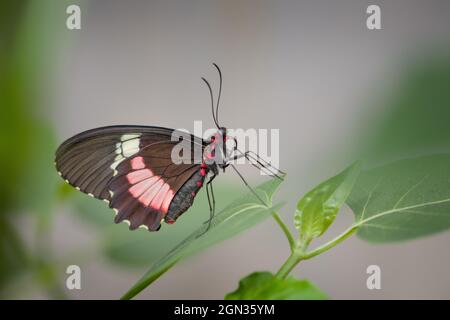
(145, 185)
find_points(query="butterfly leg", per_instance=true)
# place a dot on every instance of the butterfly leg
(211, 203)
(248, 185)
(213, 198)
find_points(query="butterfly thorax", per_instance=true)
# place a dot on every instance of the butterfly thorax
(215, 153)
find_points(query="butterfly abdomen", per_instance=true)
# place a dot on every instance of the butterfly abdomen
(184, 198)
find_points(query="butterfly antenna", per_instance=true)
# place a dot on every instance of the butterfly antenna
(212, 102)
(220, 91)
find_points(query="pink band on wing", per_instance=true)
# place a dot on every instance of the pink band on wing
(147, 188)
(139, 175)
(159, 197)
(151, 192)
(137, 163)
(142, 187)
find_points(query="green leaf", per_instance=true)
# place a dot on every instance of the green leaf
(236, 217)
(403, 200)
(319, 207)
(265, 286)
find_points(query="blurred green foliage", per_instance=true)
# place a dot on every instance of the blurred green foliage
(29, 43)
(415, 111)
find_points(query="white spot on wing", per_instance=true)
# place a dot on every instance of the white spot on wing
(128, 146)
(127, 222)
(143, 226)
(118, 147)
(117, 160)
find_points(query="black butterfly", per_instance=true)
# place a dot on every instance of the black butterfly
(131, 168)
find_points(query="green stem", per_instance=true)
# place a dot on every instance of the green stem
(291, 262)
(285, 229)
(298, 254)
(330, 244)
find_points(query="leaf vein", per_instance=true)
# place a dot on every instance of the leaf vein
(409, 190)
(384, 213)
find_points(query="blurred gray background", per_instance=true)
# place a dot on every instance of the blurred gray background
(309, 68)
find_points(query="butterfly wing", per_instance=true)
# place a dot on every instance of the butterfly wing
(128, 166)
(88, 160)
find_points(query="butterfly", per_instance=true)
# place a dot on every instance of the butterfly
(132, 168)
